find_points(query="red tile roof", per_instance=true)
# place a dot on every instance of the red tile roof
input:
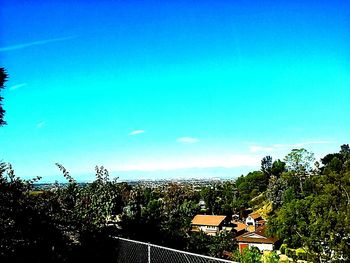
(239, 226)
(208, 220)
(258, 236)
(255, 215)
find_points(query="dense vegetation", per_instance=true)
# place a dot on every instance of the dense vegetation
(310, 211)
(312, 205)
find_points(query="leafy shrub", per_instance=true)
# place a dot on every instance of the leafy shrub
(272, 258)
(290, 253)
(283, 248)
(311, 257)
(301, 254)
(248, 255)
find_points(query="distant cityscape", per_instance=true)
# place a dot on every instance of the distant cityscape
(194, 182)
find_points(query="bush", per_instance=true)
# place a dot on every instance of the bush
(301, 254)
(283, 248)
(311, 257)
(290, 253)
(271, 257)
(248, 255)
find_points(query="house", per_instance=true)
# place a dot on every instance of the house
(253, 221)
(209, 224)
(258, 239)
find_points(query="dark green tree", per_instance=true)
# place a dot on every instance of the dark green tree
(3, 78)
(27, 231)
(266, 166)
(318, 220)
(278, 167)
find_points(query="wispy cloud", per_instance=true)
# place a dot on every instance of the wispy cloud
(34, 43)
(17, 86)
(194, 162)
(301, 144)
(40, 124)
(187, 140)
(278, 147)
(256, 148)
(136, 132)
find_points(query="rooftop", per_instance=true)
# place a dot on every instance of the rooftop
(208, 220)
(239, 226)
(257, 236)
(255, 215)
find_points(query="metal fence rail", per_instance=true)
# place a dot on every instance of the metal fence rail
(131, 251)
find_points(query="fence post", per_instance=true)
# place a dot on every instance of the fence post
(149, 252)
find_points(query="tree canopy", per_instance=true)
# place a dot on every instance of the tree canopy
(3, 78)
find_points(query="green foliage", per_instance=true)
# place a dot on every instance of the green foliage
(214, 246)
(248, 255)
(278, 167)
(291, 253)
(299, 163)
(266, 165)
(271, 258)
(249, 187)
(220, 199)
(64, 224)
(276, 188)
(283, 248)
(301, 254)
(311, 209)
(199, 243)
(28, 232)
(3, 78)
(224, 241)
(318, 219)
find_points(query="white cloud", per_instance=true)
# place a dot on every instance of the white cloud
(255, 149)
(136, 132)
(187, 140)
(279, 147)
(40, 124)
(215, 161)
(301, 144)
(18, 86)
(34, 43)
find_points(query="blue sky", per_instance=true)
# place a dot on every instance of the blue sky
(171, 88)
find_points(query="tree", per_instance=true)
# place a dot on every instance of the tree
(318, 220)
(180, 204)
(300, 163)
(271, 258)
(3, 78)
(199, 243)
(223, 242)
(214, 246)
(266, 165)
(248, 255)
(345, 151)
(275, 190)
(28, 232)
(278, 167)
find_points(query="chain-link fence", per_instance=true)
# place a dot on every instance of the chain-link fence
(131, 251)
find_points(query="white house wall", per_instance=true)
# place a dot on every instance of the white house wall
(208, 229)
(250, 220)
(262, 247)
